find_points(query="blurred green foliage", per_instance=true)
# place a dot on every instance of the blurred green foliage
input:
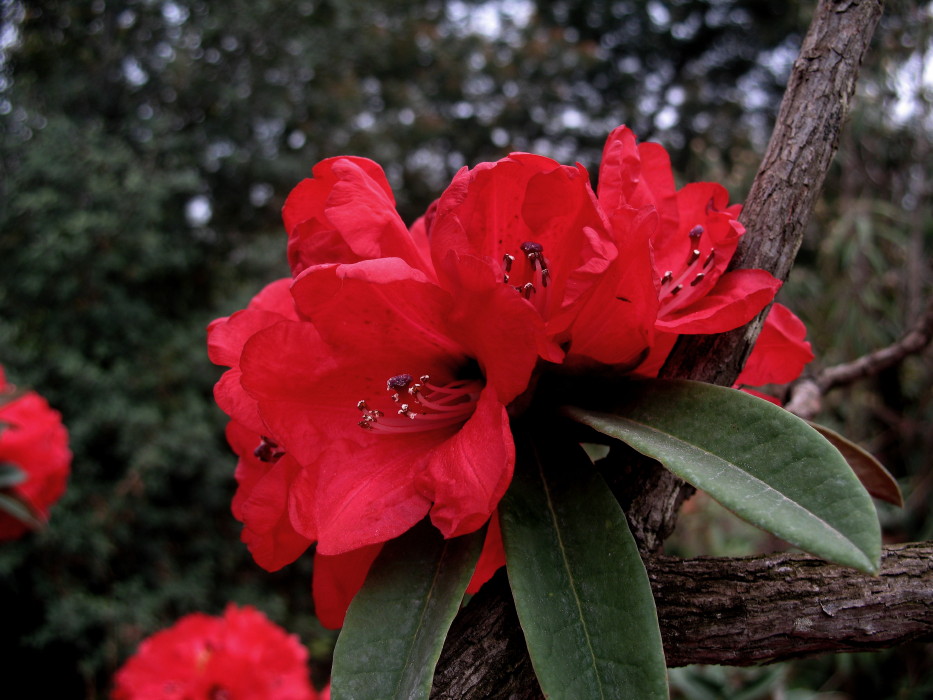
(146, 147)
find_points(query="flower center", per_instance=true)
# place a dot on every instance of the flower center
(531, 280)
(422, 405)
(679, 288)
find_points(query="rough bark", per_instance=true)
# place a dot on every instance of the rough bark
(758, 610)
(775, 214)
(485, 656)
(735, 611)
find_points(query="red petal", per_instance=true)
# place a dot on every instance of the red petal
(337, 579)
(491, 559)
(616, 324)
(780, 352)
(469, 473)
(735, 300)
(346, 214)
(369, 495)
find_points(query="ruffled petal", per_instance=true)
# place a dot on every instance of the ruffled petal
(345, 214)
(260, 502)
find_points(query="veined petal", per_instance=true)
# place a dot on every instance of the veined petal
(735, 300)
(616, 325)
(369, 495)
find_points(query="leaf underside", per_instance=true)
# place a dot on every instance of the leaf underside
(758, 460)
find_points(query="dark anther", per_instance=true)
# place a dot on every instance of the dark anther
(698, 279)
(668, 276)
(676, 290)
(268, 451)
(709, 258)
(693, 257)
(399, 382)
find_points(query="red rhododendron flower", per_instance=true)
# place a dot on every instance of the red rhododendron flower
(375, 384)
(374, 387)
(696, 234)
(33, 441)
(238, 656)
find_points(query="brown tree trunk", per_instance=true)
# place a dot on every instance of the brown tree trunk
(485, 656)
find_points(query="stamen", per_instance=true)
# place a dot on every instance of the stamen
(709, 258)
(698, 279)
(676, 290)
(431, 406)
(668, 276)
(693, 257)
(507, 261)
(527, 290)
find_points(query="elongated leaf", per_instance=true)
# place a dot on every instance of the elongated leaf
(877, 480)
(580, 588)
(19, 509)
(10, 475)
(396, 626)
(758, 460)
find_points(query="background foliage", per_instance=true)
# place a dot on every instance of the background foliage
(146, 147)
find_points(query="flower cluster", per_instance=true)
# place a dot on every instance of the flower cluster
(240, 655)
(375, 386)
(34, 456)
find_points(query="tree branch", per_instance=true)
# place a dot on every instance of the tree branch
(758, 610)
(806, 395)
(739, 612)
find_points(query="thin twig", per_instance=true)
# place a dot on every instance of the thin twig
(806, 395)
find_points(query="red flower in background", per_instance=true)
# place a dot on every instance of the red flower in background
(238, 656)
(34, 443)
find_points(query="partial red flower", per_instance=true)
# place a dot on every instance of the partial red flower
(34, 443)
(238, 656)
(781, 351)
(696, 234)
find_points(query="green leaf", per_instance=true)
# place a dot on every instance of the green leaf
(758, 460)
(396, 625)
(10, 475)
(580, 588)
(22, 511)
